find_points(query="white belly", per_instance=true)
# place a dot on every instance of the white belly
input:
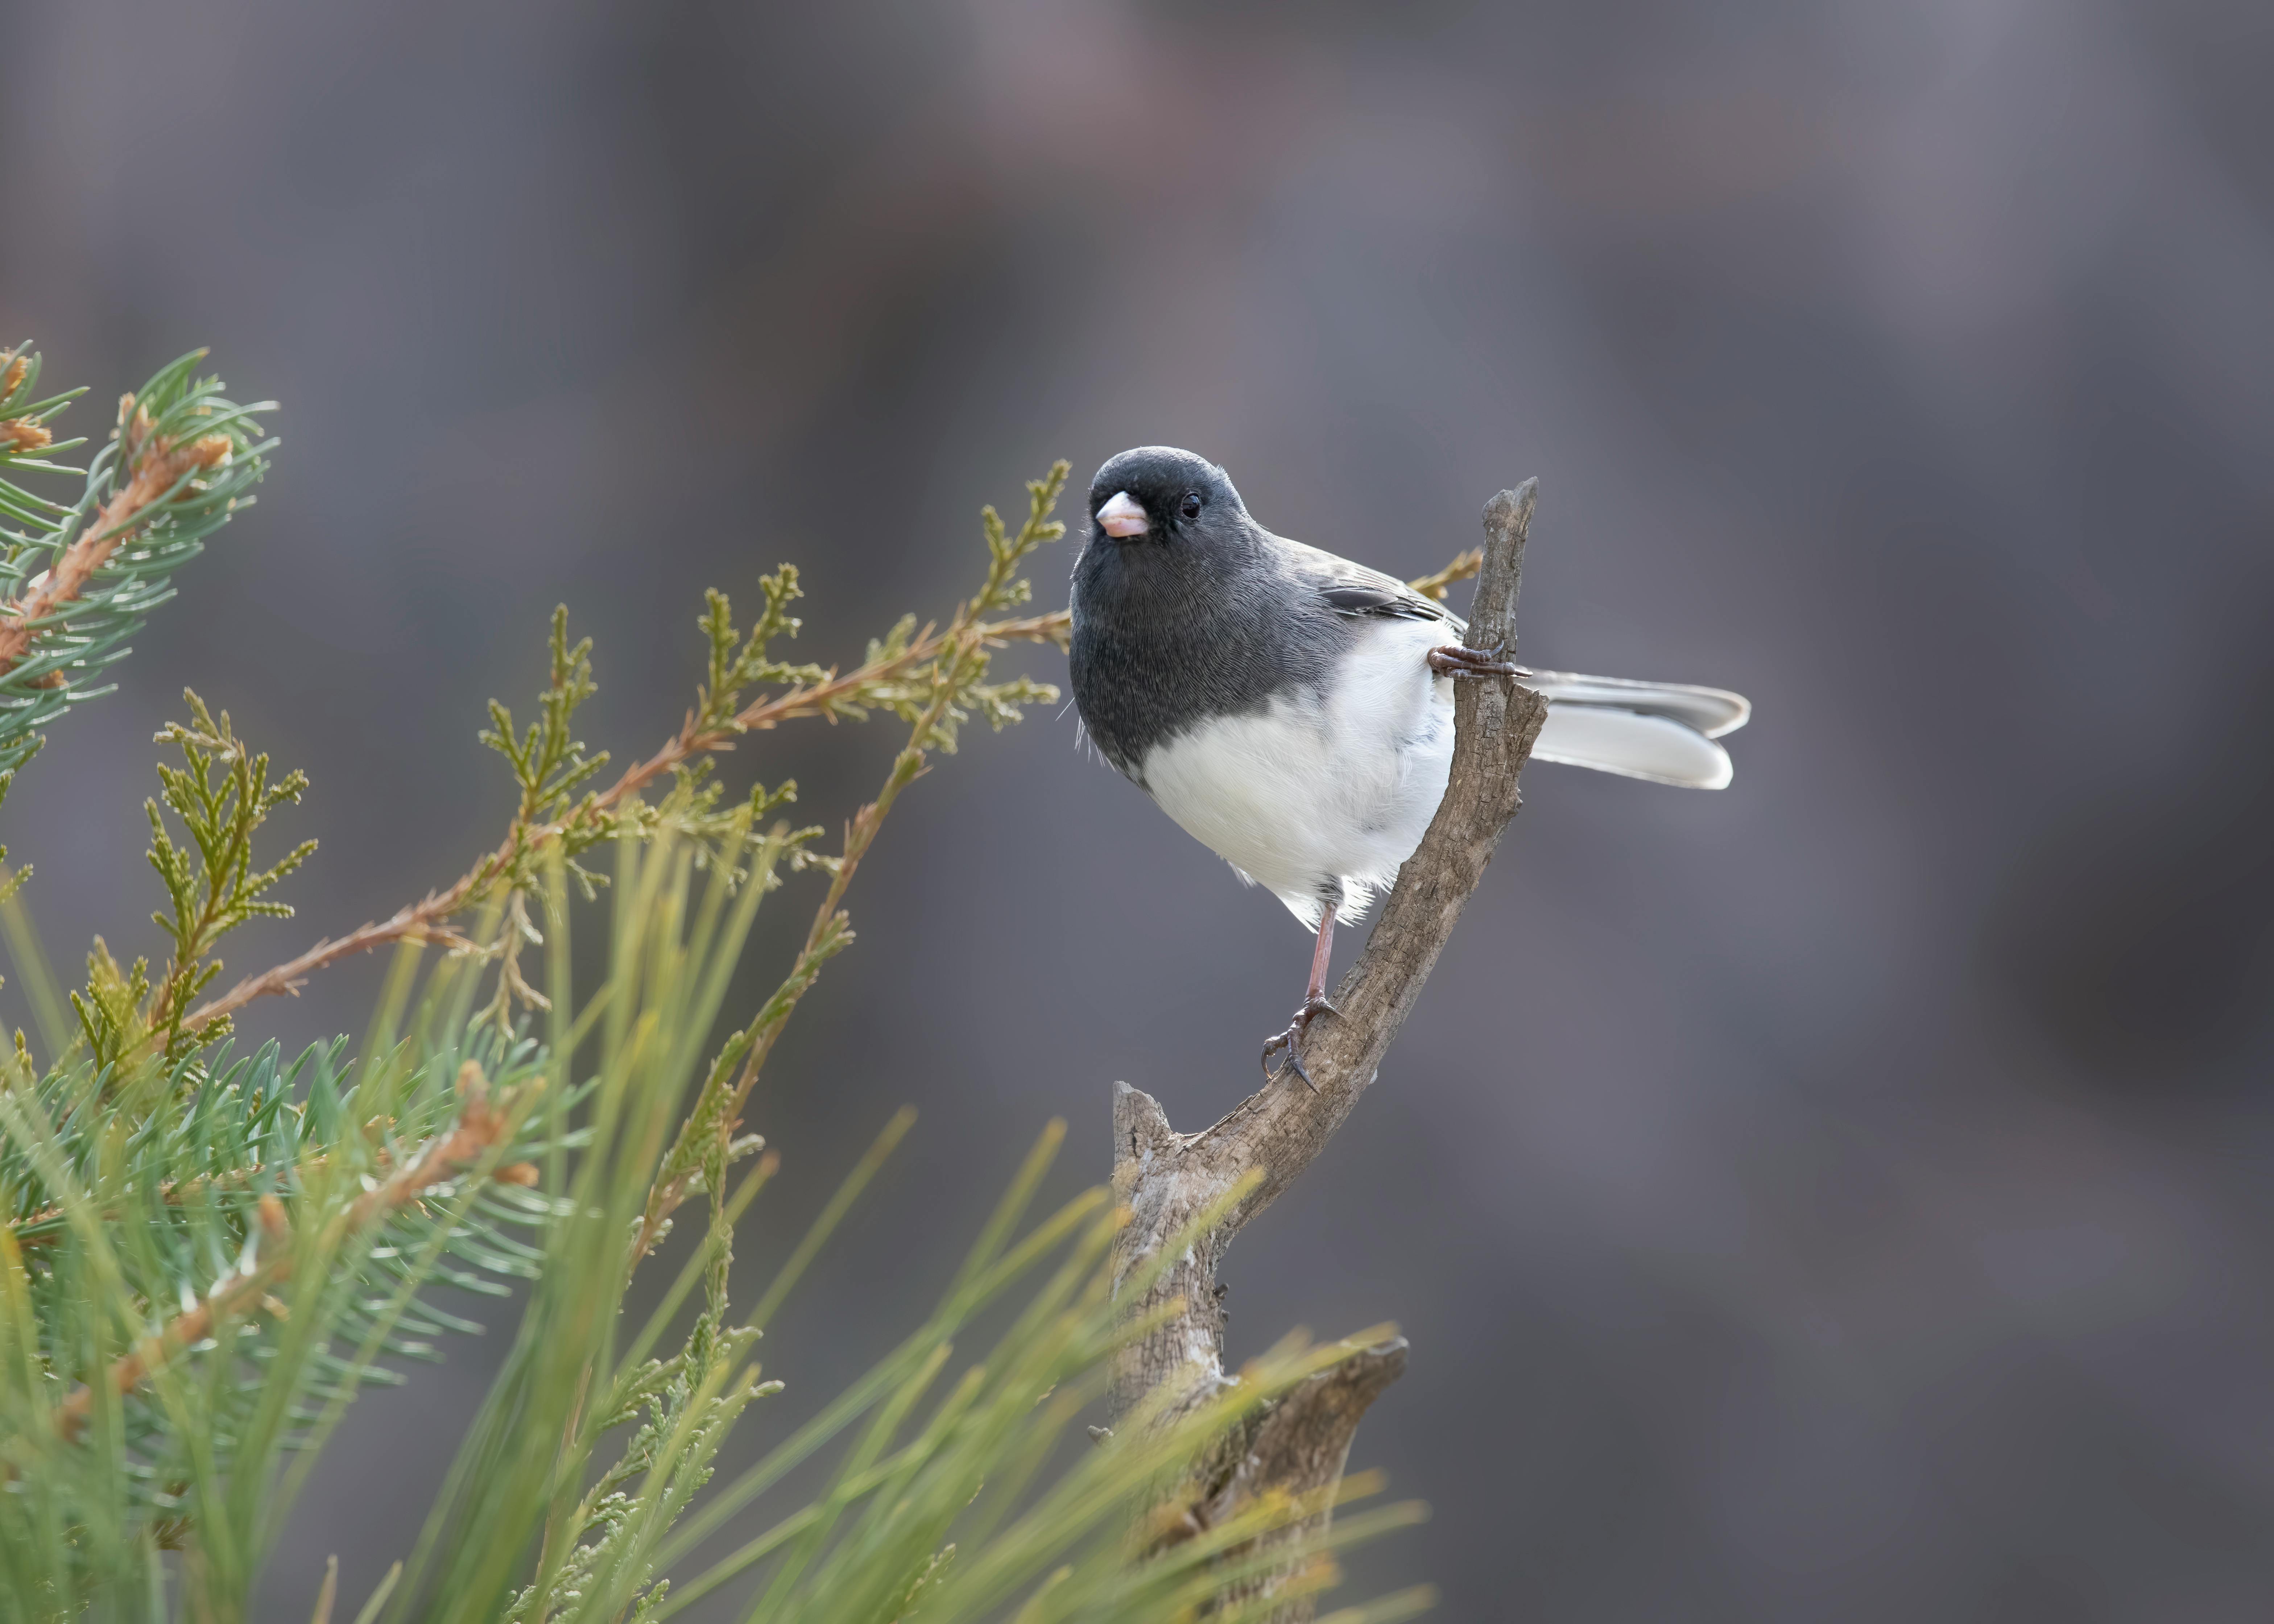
(1310, 794)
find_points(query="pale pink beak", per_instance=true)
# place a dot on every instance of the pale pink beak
(1122, 516)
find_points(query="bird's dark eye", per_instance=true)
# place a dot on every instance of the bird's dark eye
(1190, 505)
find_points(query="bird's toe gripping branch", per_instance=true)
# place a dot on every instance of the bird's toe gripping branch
(1292, 1041)
(1458, 660)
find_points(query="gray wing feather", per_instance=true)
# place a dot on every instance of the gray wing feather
(1356, 592)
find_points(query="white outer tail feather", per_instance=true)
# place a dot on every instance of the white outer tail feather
(1663, 732)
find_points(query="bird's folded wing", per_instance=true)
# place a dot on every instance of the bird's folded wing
(1355, 590)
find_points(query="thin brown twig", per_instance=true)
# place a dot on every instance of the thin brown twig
(480, 1126)
(192, 1325)
(1464, 566)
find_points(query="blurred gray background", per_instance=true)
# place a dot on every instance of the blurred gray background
(1841, 1197)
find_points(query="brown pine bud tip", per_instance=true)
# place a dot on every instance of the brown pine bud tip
(273, 1221)
(522, 1173)
(12, 378)
(211, 451)
(18, 435)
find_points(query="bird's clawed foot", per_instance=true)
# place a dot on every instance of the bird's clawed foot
(1457, 660)
(1292, 1041)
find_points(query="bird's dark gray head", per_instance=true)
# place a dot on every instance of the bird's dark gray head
(1185, 608)
(1158, 496)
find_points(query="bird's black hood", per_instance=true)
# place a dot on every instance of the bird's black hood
(1192, 618)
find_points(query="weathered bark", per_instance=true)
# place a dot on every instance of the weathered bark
(1166, 1178)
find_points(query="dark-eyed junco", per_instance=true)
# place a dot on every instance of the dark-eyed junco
(1293, 711)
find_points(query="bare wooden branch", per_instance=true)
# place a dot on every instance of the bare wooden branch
(1166, 1178)
(1297, 1449)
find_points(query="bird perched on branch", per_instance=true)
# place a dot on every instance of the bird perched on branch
(1293, 711)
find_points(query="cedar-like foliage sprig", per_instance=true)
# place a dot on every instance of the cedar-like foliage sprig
(549, 764)
(219, 888)
(953, 688)
(734, 666)
(222, 795)
(950, 687)
(554, 823)
(930, 677)
(695, 809)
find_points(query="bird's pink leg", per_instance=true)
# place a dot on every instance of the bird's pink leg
(1321, 956)
(1314, 1005)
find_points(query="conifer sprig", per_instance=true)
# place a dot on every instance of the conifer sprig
(956, 688)
(23, 420)
(221, 889)
(549, 764)
(905, 672)
(482, 1126)
(202, 1257)
(223, 795)
(733, 668)
(181, 461)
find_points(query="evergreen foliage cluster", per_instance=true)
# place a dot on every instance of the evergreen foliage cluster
(208, 1250)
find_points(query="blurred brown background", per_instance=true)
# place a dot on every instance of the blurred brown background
(1843, 1197)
